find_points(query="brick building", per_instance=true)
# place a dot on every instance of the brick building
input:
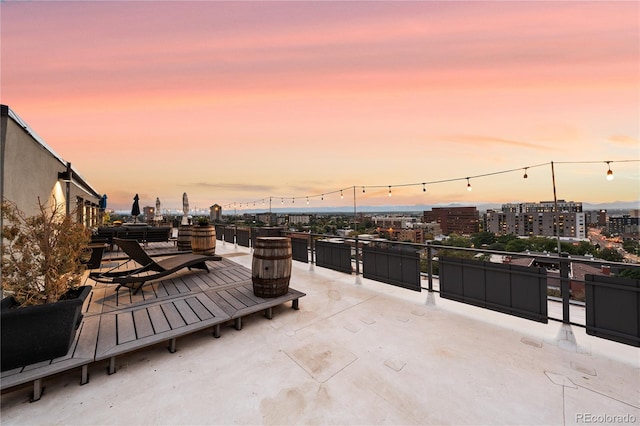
(454, 220)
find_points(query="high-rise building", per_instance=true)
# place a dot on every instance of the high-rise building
(542, 207)
(454, 220)
(625, 225)
(538, 219)
(299, 219)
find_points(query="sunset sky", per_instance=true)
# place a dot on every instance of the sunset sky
(236, 102)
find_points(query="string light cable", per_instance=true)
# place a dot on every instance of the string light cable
(424, 184)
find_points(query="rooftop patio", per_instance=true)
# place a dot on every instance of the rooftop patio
(356, 352)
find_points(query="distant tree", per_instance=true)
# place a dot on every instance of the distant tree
(518, 245)
(585, 247)
(456, 240)
(497, 246)
(424, 266)
(504, 239)
(631, 246)
(610, 255)
(633, 273)
(483, 238)
(449, 253)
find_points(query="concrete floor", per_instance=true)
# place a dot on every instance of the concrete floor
(357, 352)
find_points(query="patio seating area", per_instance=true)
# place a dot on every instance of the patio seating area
(118, 320)
(356, 352)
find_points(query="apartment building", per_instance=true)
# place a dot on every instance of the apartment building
(542, 207)
(299, 219)
(626, 226)
(570, 224)
(403, 234)
(454, 220)
(393, 221)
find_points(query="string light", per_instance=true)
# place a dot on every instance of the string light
(609, 172)
(609, 176)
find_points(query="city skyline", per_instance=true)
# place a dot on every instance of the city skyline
(236, 102)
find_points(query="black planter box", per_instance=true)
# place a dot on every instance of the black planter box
(613, 308)
(398, 266)
(336, 256)
(38, 333)
(510, 289)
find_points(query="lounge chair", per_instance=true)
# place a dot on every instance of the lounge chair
(150, 269)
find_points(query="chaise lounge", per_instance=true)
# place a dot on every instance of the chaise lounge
(150, 269)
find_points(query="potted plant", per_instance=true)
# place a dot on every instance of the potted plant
(203, 237)
(203, 221)
(41, 274)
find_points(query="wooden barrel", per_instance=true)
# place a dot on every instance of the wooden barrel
(271, 266)
(184, 238)
(203, 239)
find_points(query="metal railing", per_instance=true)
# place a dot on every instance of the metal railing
(565, 282)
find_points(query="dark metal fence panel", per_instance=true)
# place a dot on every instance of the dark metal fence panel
(230, 234)
(300, 249)
(243, 236)
(613, 308)
(392, 266)
(219, 232)
(335, 256)
(265, 231)
(510, 289)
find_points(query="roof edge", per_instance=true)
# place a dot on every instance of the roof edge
(5, 110)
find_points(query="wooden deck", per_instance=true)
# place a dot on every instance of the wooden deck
(116, 321)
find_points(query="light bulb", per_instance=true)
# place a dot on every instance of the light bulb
(609, 172)
(389, 191)
(468, 185)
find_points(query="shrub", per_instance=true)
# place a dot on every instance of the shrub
(41, 254)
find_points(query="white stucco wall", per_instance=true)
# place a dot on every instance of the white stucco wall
(30, 171)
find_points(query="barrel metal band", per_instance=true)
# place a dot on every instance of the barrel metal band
(258, 256)
(271, 281)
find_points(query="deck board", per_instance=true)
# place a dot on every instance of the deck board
(158, 320)
(142, 322)
(81, 353)
(125, 326)
(240, 301)
(117, 322)
(173, 316)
